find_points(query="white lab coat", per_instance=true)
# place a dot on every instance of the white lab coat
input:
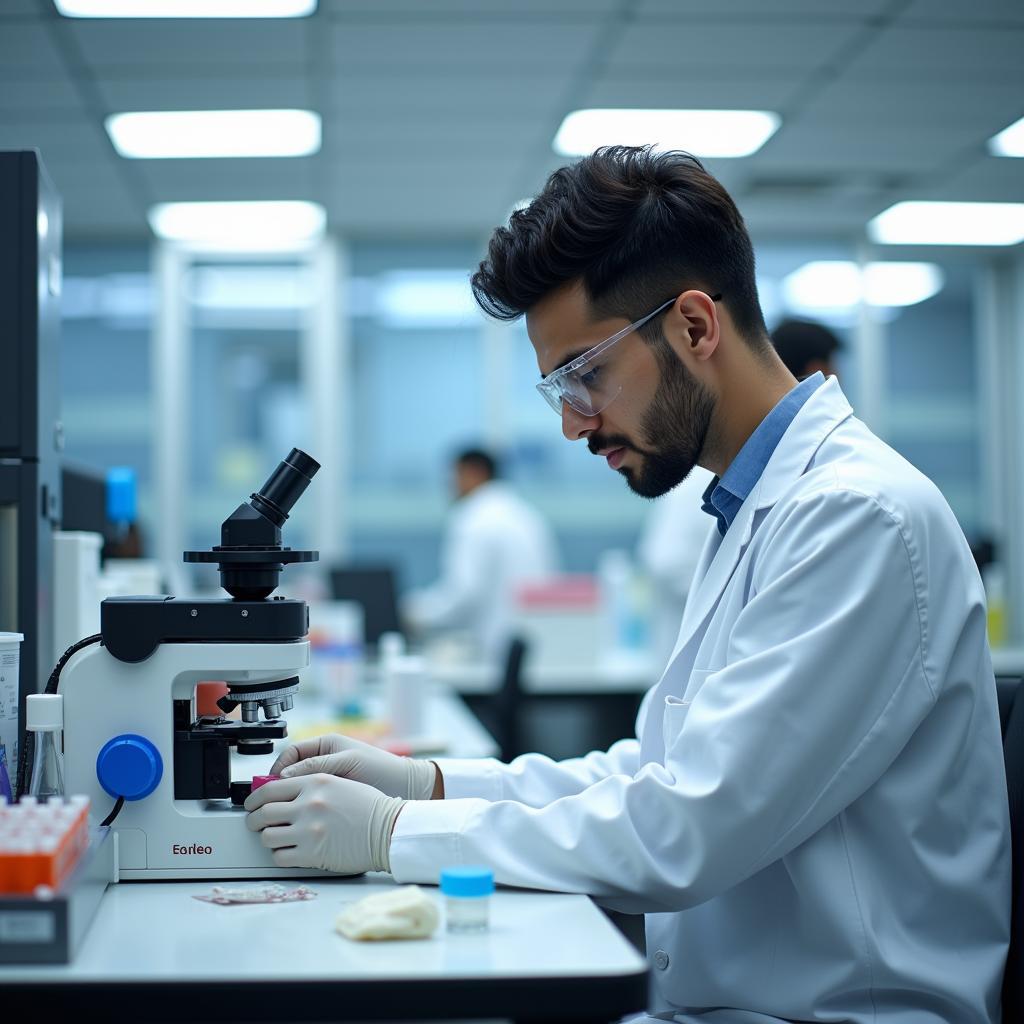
(814, 814)
(669, 550)
(494, 542)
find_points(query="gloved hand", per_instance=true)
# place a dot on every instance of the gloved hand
(350, 759)
(319, 821)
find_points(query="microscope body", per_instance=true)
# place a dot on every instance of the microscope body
(133, 741)
(134, 725)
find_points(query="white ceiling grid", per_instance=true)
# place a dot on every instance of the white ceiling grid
(438, 115)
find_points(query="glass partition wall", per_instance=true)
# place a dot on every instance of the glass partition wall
(200, 371)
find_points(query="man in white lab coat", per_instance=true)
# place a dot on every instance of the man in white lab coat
(669, 550)
(494, 542)
(813, 813)
(674, 532)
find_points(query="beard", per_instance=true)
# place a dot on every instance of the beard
(674, 430)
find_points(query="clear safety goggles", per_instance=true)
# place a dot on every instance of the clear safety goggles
(583, 384)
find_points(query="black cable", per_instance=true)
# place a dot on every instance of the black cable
(51, 687)
(114, 813)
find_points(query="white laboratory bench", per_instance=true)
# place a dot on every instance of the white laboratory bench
(155, 953)
(448, 718)
(450, 729)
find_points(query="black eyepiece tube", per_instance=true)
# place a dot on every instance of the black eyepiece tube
(285, 486)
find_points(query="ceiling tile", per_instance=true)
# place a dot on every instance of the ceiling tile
(496, 93)
(102, 213)
(418, 214)
(438, 116)
(80, 139)
(71, 173)
(831, 146)
(224, 45)
(767, 91)
(778, 9)
(442, 9)
(852, 100)
(172, 180)
(966, 55)
(32, 92)
(27, 44)
(450, 138)
(204, 91)
(434, 197)
(987, 179)
(977, 12)
(723, 48)
(426, 49)
(368, 171)
(19, 9)
(796, 217)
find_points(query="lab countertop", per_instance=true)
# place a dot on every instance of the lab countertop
(153, 940)
(450, 729)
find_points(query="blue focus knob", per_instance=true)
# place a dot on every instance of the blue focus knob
(129, 766)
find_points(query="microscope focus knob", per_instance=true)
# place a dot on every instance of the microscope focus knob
(130, 766)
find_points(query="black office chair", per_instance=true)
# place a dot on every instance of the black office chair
(1011, 713)
(508, 702)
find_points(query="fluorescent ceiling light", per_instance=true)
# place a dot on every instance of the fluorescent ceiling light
(840, 285)
(249, 226)
(921, 223)
(1010, 141)
(175, 134)
(710, 133)
(185, 8)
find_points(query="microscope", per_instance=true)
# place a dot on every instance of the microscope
(133, 741)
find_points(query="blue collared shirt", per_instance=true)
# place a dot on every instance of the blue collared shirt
(726, 494)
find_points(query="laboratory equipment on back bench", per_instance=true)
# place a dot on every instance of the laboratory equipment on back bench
(131, 731)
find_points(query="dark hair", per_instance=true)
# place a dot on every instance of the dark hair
(636, 227)
(800, 342)
(477, 458)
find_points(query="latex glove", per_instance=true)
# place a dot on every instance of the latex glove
(319, 821)
(350, 759)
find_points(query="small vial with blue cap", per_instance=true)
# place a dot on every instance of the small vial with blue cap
(467, 890)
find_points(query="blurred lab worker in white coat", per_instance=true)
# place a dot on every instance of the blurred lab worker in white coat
(813, 813)
(494, 542)
(676, 528)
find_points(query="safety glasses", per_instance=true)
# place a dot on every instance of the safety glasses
(583, 384)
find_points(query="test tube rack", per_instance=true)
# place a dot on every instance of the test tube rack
(54, 869)
(41, 842)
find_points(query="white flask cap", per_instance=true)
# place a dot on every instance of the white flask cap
(44, 712)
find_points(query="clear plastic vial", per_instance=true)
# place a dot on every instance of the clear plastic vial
(467, 891)
(44, 716)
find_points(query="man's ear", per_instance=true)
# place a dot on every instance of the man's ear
(692, 323)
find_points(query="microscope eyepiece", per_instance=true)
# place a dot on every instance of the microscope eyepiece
(285, 485)
(250, 555)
